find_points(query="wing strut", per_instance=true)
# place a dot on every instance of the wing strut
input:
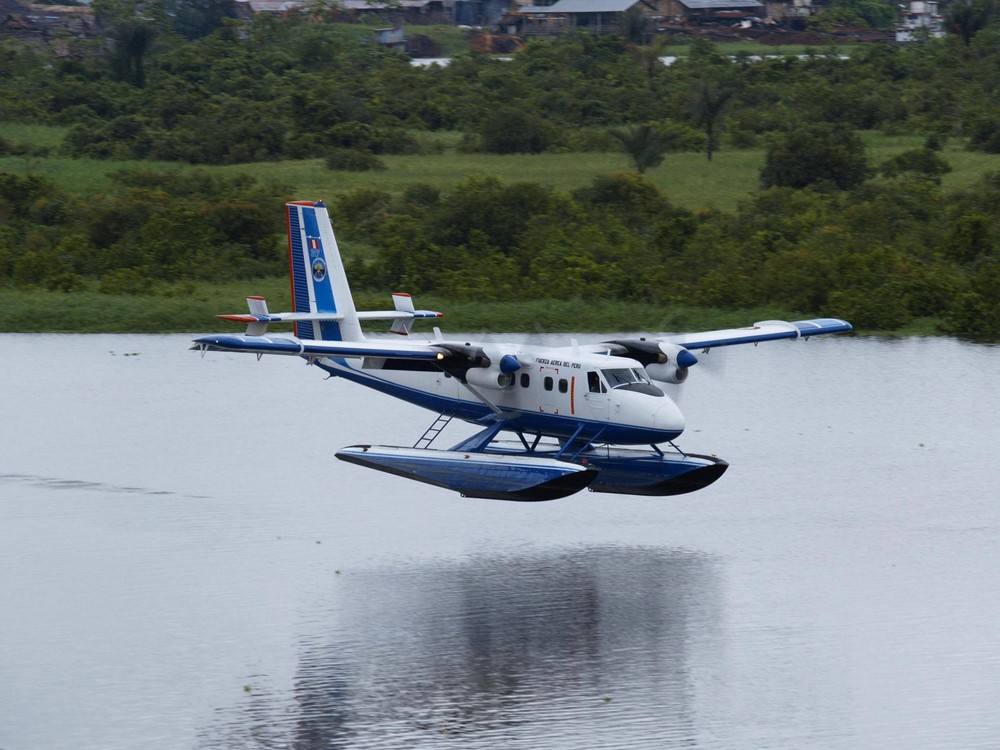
(478, 442)
(493, 407)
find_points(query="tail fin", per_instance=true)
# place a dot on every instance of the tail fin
(319, 282)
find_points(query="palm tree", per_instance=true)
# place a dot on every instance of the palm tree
(635, 25)
(708, 103)
(646, 144)
(648, 56)
(966, 18)
(133, 40)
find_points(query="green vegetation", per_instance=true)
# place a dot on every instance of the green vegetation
(684, 177)
(143, 173)
(189, 308)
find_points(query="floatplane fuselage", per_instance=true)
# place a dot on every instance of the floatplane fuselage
(571, 415)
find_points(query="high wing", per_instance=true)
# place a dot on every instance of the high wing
(768, 330)
(765, 330)
(668, 358)
(316, 348)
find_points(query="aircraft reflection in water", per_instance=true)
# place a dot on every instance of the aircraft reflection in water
(594, 401)
(518, 651)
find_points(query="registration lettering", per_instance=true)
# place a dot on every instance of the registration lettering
(557, 363)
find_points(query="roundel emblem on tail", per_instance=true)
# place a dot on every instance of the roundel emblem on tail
(319, 269)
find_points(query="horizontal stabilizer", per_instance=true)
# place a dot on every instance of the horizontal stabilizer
(315, 348)
(258, 319)
(404, 307)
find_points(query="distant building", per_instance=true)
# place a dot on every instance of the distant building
(595, 16)
(410, 11)
(605, 16)
(54, 26)
(479, 12)
(921, 21)
(392, 38)
(277, 7)
(715, 11)
(789, 11)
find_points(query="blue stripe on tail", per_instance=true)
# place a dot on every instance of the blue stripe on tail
(319, 267)
(300, 282)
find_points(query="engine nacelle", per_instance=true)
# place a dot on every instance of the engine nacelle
(489, 377)
(675, 368)
(667, 373)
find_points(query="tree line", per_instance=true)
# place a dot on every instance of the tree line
(271, 89)
(880, 255)
(822, 236)
(155, 227)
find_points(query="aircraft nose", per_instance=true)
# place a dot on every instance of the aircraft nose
(668, 417)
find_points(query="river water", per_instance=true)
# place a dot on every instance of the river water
(183, 563)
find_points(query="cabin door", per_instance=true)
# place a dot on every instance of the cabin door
(595, 401)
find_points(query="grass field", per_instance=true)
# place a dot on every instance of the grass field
(688, 179)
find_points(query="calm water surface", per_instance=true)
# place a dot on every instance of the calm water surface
(183, 564)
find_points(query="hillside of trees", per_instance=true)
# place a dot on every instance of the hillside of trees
(828, 232)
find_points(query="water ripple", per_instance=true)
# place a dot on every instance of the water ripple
(58, 483)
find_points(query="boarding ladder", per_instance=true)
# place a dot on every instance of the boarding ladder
(434, 430)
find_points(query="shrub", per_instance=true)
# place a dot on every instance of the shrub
(65, 281)
(359, 136)
(814, 154)
(919, 162)
(985, 135)
(881, 309)
(349, 160)
(976, 314)
(515, 131)
(125, 281)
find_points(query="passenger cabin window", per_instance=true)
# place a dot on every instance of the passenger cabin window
(525, 380)
(547, 383)
(563, 385)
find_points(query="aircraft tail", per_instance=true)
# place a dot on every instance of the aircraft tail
(319, 281)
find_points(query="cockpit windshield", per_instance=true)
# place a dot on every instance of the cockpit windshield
(623, 376)
(630, 379)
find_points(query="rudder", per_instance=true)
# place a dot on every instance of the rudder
(319, 281)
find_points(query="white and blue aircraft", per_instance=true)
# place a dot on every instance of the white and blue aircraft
(574, 415)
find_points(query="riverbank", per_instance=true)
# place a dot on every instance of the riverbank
(192, 308)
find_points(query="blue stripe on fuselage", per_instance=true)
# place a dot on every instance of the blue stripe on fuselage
(550, 425)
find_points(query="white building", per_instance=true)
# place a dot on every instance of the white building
(921, 21)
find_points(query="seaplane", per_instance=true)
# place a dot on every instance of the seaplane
(549, 421)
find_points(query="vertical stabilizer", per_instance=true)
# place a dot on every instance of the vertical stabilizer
(319, 282)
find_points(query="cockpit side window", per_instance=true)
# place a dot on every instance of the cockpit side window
(594, 383)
